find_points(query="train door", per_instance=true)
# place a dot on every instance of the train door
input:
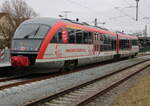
(117, 44)
(96, 44)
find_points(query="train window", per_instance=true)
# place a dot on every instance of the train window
(134, 42)
(113, 42)
(124, 44)
(122, 41)
(102, 39)
(71, 34)
(42, 31)
(59, 34)
(57, 38)
(31, 31)
(87, 37)
(79, 36)
(107, 42)
(90, 37)
(96, 44)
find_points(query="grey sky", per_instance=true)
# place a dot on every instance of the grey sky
(117, 14)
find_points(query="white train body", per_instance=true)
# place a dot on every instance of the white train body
(61, 43)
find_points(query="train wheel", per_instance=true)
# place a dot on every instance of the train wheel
(132, 56)
(70, 65)
(116, 57)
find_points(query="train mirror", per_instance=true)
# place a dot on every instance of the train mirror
(65, 36)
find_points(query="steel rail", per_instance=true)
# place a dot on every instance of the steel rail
(58, 95)
(84, 68)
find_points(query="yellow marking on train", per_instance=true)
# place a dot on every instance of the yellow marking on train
(73, 27)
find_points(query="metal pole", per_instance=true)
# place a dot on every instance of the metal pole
(137, 5)
(145, 31)
(66, 13)
(95, 22)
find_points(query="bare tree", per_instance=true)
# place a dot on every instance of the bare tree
(16, 11)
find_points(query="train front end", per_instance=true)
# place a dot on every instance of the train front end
(26, 43)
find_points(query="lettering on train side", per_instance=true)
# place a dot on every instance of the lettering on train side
(75, 50)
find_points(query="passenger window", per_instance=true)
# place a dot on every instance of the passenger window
(57, 38)
(102, 39)
(105, 42)
(79, 36)
(71, 34)
(134, 42)
(74, 36)
(87, 37)
(124, 44)
(113, 42)
(90, 37)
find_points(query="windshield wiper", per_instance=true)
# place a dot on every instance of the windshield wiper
(36, 31)
(30, 34)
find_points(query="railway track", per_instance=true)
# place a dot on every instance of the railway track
(84, 93)
(12, 81)
(6, 68)
(4, 79)
(8, 83)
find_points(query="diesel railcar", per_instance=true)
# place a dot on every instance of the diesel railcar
(63, 43)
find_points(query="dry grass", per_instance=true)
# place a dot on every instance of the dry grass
(139, 95)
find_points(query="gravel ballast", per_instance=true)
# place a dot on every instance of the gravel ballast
(24, 94)
(110, 97)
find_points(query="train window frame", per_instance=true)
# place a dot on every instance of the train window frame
(84, 37)
(74, 36)
(79, 36)
(36, 30)
(124, 43)
(106, 45)
(102, 38)
(113, 42)
(96, 41)
(134, 42)
(87, 37)
(78, 39)
(57, 36)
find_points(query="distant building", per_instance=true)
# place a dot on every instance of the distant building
(144, 40)
(144, 43)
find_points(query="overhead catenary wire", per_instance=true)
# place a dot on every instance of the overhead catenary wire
(122, 12)
(79, 4)
(129, 4)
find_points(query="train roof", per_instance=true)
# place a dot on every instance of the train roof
(47, 21)
(51, 21)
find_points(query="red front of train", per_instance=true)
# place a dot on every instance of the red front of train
(27, 41)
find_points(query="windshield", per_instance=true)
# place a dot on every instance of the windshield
(26, 45)
(31, 31)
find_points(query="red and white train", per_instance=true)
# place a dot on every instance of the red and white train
(61, 43)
